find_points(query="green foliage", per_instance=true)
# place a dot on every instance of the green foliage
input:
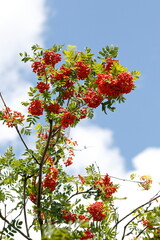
(109, 51)
(56, 201)
(12, 228)
(52, 233)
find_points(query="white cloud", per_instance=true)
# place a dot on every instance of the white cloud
(22, 25)
(148, 161)
(7, 134)
(95, 145)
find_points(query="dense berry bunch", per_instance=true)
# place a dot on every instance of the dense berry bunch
(68, 93)
(69, 217)
(109, 190)
(114, 86)
(42, 86)
(83, 218)
(107, 186)
(62, 74)
(82, 70)
(67, 119)
(54, 108)
(39, 68)
(50, 179)
(92, 98)
(88, 235)
(96, 210)
(106, 180)
(125, 82)
(35, 108)
(51, 58)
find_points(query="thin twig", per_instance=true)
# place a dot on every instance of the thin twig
(77, 193)
(127, 225)
(126, 180)
(151, 200)
(141, 232)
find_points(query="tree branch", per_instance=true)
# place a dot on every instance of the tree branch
(16, 127)
(4, 219)
(24, 205)
(151, 200)
(4, 222)
(40, 178)
(77, 193)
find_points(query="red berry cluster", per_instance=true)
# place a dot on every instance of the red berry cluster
(92, 98)
(12, 117)
(67, 119)
(147, 224)
(69, 217)
(82, 70)
(35, 108)
(39, 68)
(50, 179)
(62, 74)
(107, 186)
(67, 93)
(51, 58)
(96, 210)
(72, 217)
(88, 235)
(83, 218)
(42, 86)
(54, 108)
(114, 87)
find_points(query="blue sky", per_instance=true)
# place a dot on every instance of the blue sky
(133, 26)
